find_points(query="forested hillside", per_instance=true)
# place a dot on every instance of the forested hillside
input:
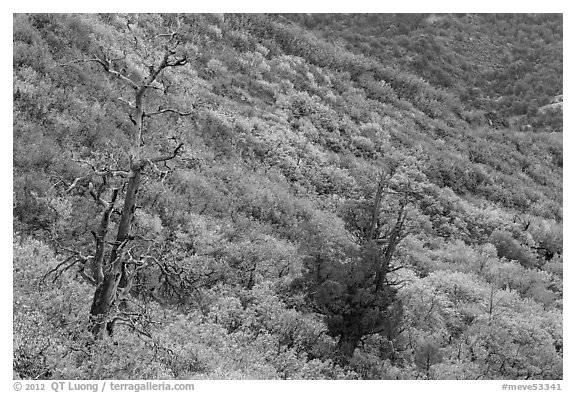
(505, 68)
(287, 196)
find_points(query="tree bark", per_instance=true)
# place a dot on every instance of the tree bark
(104, 298)
(372, 235)
(347, 344)
(115, 278)
(96, 265)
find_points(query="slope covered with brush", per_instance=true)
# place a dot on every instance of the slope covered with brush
(320, 209)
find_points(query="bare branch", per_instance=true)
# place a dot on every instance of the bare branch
(83, 178)
(71, 260)
(88, 278)
(87, 163)
(103, 172)
(107, 65)
(131, 324)
(75, 182)
(162, 173)
(118, 58)
(157, 88)
(178, 62)
(96, 196)
(131, 105)
(118, 172)
(60, 181)
(166, 62)
(174, 32)
(57, 268)
(161, 111)
(162, 158)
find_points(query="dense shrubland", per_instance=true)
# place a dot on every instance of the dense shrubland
(265, 251)
(503, 67)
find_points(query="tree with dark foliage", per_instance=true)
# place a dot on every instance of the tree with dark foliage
(356, 293)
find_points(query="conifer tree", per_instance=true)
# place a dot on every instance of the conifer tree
(356, 293)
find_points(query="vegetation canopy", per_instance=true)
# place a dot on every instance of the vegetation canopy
(318, 196)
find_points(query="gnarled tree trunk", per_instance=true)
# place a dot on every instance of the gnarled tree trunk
(347, 344)
(113, 278)
(117, 277)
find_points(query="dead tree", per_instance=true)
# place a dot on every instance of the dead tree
(110, 268)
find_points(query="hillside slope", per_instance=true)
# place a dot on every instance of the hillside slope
(254, 246)
(507, 66)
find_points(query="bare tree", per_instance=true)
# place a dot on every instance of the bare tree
(112, 267)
